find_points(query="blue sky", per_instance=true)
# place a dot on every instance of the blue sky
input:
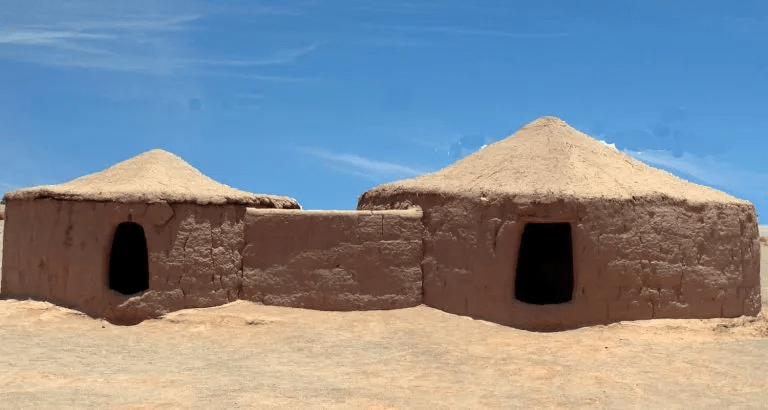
(321, 100)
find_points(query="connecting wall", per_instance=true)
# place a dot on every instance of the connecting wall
(203, 256)
(333, 260)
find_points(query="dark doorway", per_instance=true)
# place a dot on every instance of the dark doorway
(128, 260)
(544, 273)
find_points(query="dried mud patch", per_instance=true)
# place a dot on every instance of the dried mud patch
(235, 314)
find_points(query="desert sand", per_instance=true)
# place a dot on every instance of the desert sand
(244, 355)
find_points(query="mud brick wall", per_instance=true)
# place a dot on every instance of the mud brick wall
(633, 259)
(333, 260)
(676, 260)
(59, 251)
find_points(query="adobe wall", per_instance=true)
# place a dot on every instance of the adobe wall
(2, 226)
(632, 260)
(677, 261)
(333, 260)
(59, 251)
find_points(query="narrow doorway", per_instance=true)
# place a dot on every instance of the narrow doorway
(544, 274)
(128, 260)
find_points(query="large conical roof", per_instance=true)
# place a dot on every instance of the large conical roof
(549, 159)
(154, 176)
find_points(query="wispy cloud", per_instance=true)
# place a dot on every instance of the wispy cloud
(34, 37)
(89, 35)
(361, 166)
(468, 31)
(414, 7)
(710, 171)
(160, 23)
(248, 76)
(393, 42)
(281, 57)
(750, 26)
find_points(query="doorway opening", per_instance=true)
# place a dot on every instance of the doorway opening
(128, 260)
(544, 274)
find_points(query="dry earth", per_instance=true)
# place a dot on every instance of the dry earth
(246, 355)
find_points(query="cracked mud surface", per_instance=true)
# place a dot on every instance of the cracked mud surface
(246, 355)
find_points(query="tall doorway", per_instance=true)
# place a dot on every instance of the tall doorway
(128, 260)
(544, 274)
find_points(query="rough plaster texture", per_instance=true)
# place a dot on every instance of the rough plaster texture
(2, 227)
(637, 259)
(59, 251)
(333, 260)
(647, 244)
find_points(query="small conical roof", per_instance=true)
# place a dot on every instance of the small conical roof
(547, 158)
(152, 177)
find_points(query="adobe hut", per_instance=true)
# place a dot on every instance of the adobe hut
(550, 228)
(144, 237)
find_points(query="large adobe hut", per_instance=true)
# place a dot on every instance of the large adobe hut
(550, 228)
(143, 237)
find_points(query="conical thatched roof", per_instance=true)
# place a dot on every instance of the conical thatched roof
(154, 176)
(549, 159)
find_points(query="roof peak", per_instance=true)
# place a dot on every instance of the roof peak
(545, 121)
(549, 157)
(152, 176)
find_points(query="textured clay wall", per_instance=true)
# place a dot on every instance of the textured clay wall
(470, 257)
(2, 228)
(333, 260)
(675, 260)
(59, 251)
(632, 260)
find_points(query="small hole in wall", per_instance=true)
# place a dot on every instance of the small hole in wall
(128, 260)
(544, 274)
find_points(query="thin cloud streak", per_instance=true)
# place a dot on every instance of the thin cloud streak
(141, 44)
(478, 32)
(166, 24)
(406, 7)
(283, 57)
(361, 166)
(392, 42)
(707, 170)
(32, 37)
(248, 76)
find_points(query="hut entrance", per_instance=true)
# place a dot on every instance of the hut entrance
(544, 274)
(128, 260)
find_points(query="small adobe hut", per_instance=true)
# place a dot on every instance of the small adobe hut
(550, 228)
(144, 237)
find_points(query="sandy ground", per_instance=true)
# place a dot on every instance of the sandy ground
(251, 356)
